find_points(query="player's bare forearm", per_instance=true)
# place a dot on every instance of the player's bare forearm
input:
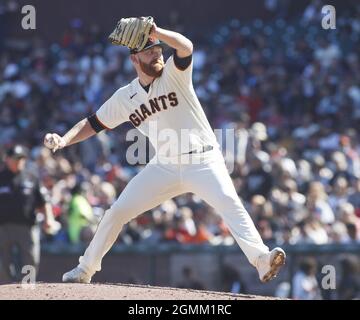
(180, 43)
(80, 132)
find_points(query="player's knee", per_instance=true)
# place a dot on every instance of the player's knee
(120, 213)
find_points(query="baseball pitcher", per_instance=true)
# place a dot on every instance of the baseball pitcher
(163, 93)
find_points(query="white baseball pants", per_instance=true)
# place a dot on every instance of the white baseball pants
(206, 176)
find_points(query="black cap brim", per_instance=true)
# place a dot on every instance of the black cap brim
(163, 45)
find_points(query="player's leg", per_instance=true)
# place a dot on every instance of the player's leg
(5, 255)
(152, 186)
(211, 181)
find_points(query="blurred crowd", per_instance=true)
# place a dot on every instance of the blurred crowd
(288, 88)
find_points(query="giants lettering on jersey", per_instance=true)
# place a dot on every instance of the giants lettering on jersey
(155, 105)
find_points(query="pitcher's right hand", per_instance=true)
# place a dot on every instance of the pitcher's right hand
(54, 142)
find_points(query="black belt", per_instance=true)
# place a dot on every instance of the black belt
(202, 150)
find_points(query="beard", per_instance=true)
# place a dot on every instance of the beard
(153, 69)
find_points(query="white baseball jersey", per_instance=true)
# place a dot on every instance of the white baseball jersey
(170, 103)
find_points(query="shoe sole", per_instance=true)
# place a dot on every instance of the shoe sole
(276, 264)
(76, 281)
(69, 280)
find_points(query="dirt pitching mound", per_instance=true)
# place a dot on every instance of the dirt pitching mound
(65, 291)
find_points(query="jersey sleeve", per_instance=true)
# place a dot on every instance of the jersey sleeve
(111, 114)
(180, 69)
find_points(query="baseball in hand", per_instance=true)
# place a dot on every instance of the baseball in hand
(54, 142)
(49, 141)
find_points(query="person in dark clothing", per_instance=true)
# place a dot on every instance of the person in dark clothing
(21, 197)
(259, 180)
(349, 287)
